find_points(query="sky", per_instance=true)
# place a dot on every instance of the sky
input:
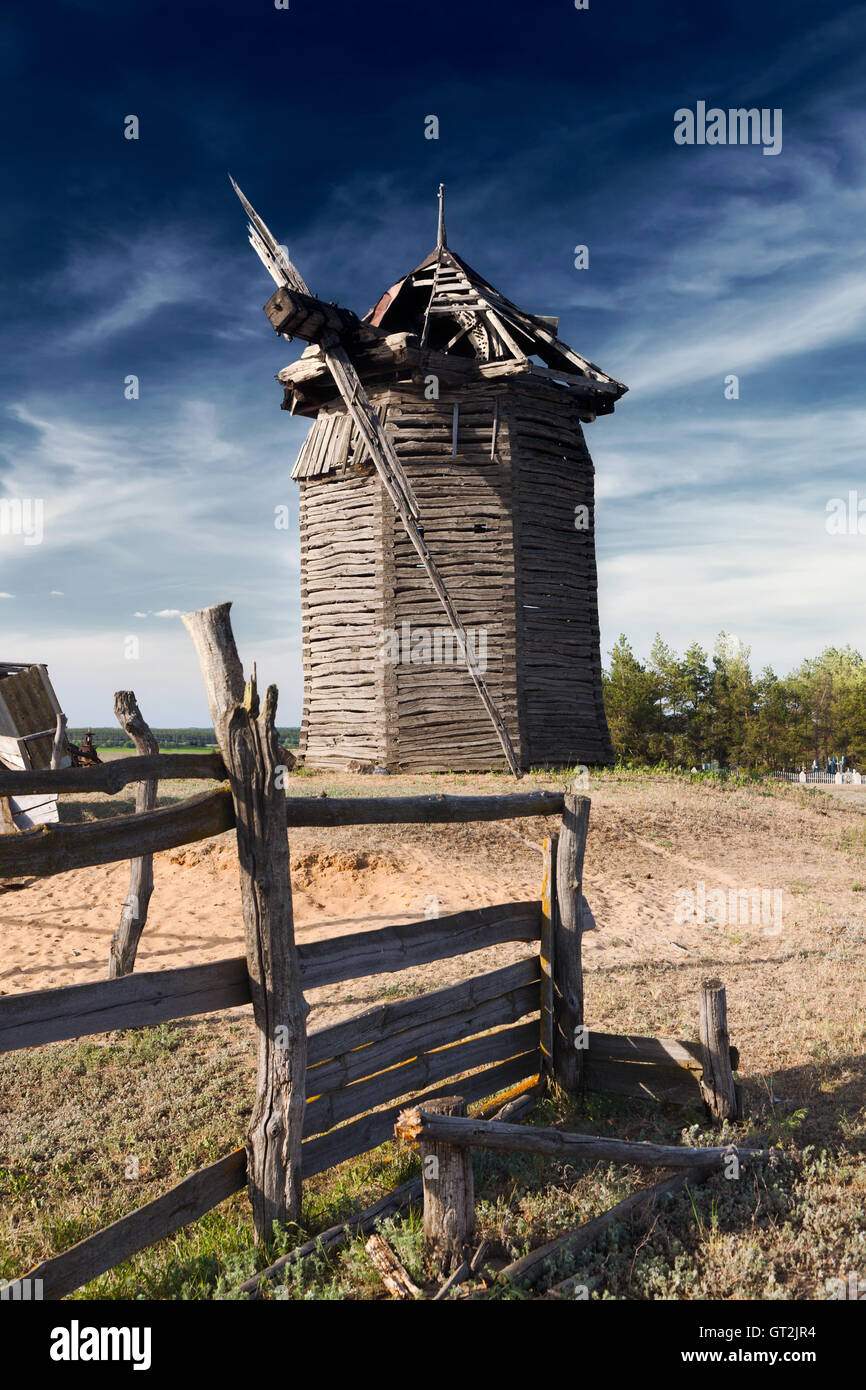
(124, 257)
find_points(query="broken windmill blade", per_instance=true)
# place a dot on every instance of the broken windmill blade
(321, 324)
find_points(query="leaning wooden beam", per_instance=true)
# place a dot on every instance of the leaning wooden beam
(529, 1267)
(568, 1049)
(124, 943)
(113, 776)
(100, 1252)
(389, 1269)
(55, 849)
(413, 810)
(246, 734)
(416, 1125)
(336, 1236)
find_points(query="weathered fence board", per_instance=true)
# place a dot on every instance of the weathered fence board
(413, 810)
(423, 1070)
(383, 1020)
(642, 1081)
(100, 1252)
(114, 775)
(385, 949)
(56, 849)
(376, 1057)
(151, 997)
(132, 1001)
(374, 1129)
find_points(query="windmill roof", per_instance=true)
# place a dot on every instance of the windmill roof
(454, 310)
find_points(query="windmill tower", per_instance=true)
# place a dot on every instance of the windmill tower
(448, 574)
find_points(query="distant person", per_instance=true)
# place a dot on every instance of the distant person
(814, 765)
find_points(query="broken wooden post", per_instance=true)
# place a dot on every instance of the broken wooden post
(568, 1039)
(449, 1193)
(124, 943)
(717, 1082)
(59, 755)
(548, 929)
(392, 1273)
(247, 739)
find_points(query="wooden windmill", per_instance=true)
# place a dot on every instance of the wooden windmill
(446, 474)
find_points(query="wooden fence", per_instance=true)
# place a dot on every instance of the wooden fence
(491, 1033)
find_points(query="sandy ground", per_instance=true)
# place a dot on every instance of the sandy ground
(652, 841)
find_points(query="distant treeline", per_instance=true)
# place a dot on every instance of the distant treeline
(169, 738)
(690, 711)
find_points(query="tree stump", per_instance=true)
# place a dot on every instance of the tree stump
(449, 1193)
(717, 1082)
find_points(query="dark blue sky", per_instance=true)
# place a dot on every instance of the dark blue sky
(556, 128)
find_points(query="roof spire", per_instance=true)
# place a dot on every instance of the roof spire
(441, 239)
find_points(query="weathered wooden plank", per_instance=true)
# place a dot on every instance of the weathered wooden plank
(349, 1067)
(132, 1001)
(672, 1084)
(621, 1047)
(387, 949)
(54, 849)
(384, 1020)
(432, 810)
(113, 776)
(186, 1202)
(426, 1068)
(416, 1125)
(371, 1130)
(546, 955)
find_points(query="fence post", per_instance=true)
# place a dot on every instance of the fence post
(717, 1082)
(247, 739)
(133, 917)
(548, 929)
(449, 1192)
(568, 968)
